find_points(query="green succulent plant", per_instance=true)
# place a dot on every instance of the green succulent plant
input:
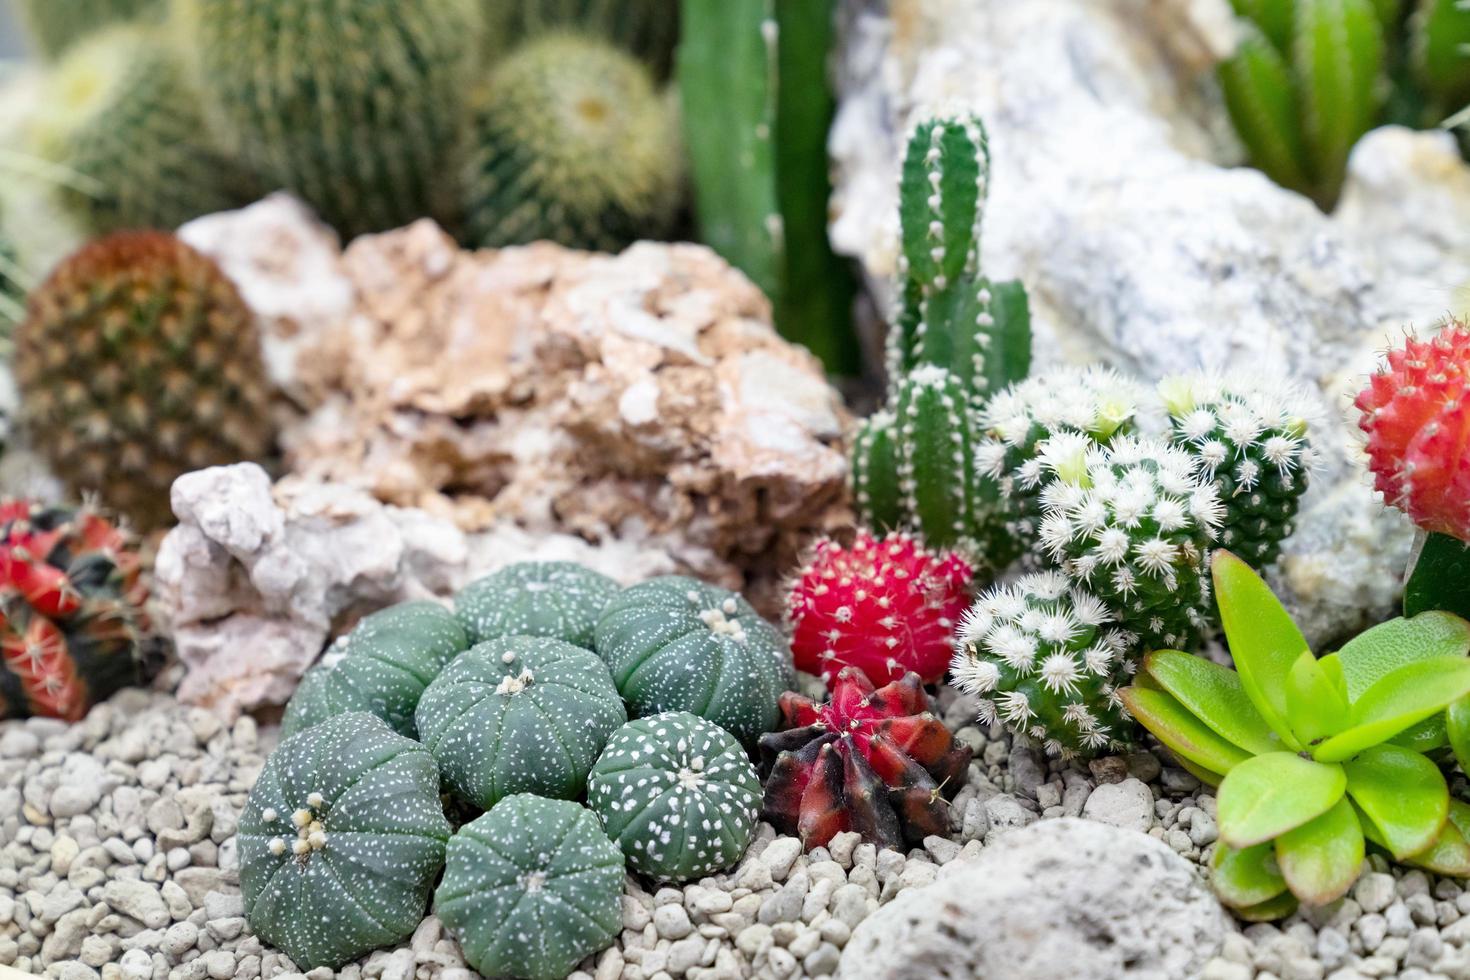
(559, 599)
(1314, 757)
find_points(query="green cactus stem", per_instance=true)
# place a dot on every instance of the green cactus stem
(557, 599)
(875, 479)
(936, 444)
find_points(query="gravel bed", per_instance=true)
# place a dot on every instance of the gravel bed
(119, 861)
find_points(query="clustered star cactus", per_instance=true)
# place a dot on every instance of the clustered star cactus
(345, 831)
(1315, 757)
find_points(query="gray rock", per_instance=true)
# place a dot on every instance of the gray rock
(1128, 804)
(1062, 898)
(137, 899)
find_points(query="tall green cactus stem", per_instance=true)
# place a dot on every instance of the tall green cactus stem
(354, 105)
(1040, 656)
(1339, 57)
(757, 107)
(1133, 524)
(1250, 437)
(875, 479)
(936, 445)
(1261, 98)
(121, 116)
(949, 314)
(1440, 53)
(1275, 18)
(55, 25)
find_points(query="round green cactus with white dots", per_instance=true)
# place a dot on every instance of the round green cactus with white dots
(677, 644)
(519, 714)
(382, 666)
(559, 599)
(341, 840)
(678, 794)
(531, 888)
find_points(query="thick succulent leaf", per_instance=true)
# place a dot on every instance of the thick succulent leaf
(1405, 697)
(1333, 668)
(1206, 776)
(1403, 793)
(1181, 732)
(1321, 859)
(1375, 653)
(1264, 642)
(1428, 735)
(1270, 910)
(1214, 695)
(1457, 728)
(1449, 854)
(1246, 876)
(1265, 796)
(1316, 709)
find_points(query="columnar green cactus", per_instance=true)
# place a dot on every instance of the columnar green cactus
(1133, 523)
(1440, 53)
(559, 599)
(571, 142)
(382, 667)
(55, 25)
(677, 644)
(341, 840)
(519, 714)
(531, 888)
(1251, 440)
(121, 117)
(936, 449)
(757, 108)
(875, 481)
(1041, 657)
(354, 105)
(678, 795)
(950, 315)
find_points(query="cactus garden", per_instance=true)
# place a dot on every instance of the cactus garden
(721, 489)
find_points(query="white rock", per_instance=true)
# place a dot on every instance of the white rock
(1061, 898)
(1128, 804)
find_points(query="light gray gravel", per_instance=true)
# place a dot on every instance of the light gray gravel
(118, 861)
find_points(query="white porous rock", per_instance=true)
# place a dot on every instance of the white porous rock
(278, 570)
(1061, 898)
(1116, 199)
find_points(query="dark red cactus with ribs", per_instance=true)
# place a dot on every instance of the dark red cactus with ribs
(874, 761)
(72, 624)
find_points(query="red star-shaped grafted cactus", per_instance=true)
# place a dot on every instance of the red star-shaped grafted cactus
(883, 606)
(874, 761)
(1416, 411)
(72, 621)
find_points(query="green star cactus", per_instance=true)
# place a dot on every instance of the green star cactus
(571, 142)
(1040, 656)
(531, 888)
(677, 644)
(1251, 440)
(120, 116)
(354, 105)
(382, 667)
(55, 25)
(519, 714)
(678, 795)
(1314, 757)
(559, 599)
(341, 840)
(1133, 523)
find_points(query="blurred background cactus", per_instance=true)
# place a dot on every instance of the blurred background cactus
(1310, 77)
(648, 29)
(55, 25)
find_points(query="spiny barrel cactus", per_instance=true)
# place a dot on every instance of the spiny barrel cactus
(877, 762)
(73, 625)
(884, 606)
(519, 714)
(1040, 656)
(647, 28)
(531, 888)
(56, 24)
(1250, 436)
(341, 840)
(1416, 413)
(677, 794)
(559, 599)
(949, 314)
(677, 644)
(382, 667)
(138, 361)
(1095, 404)
(571, 142)
(354, 105)
(1133, 523)
(120, 116)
